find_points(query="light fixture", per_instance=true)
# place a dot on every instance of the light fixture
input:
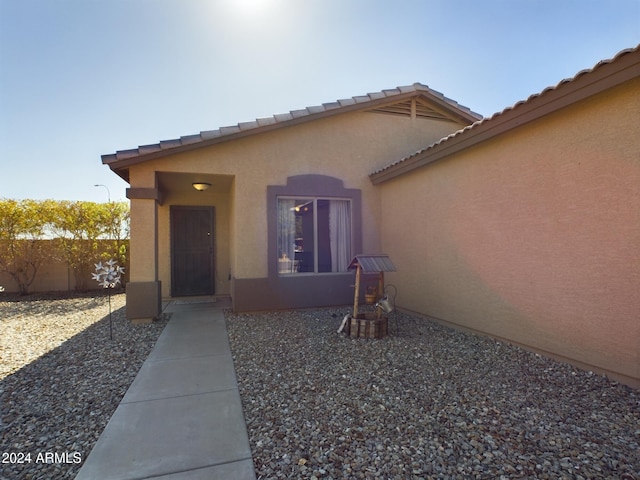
(201, 186)
(108, 192)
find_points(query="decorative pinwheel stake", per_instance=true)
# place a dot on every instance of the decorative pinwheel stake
(108, 275)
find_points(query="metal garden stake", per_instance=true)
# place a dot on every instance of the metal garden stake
(108, 275)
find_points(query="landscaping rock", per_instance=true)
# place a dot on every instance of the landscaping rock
(61, 378)
(427, 403)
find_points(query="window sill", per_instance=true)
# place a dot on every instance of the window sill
(312, 274)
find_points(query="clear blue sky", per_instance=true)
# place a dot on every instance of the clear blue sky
(81, 78)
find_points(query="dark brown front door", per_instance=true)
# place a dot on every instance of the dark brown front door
(192, 247)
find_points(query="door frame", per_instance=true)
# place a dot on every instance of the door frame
(173, 209)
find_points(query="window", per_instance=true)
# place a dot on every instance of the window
(319, 238)
(313, 234)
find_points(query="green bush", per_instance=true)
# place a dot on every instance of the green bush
(83, 233)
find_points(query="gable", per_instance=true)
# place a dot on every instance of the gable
(416, 107)
(414, 101)
(607, 74)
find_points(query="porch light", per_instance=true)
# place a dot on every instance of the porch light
(201, 186)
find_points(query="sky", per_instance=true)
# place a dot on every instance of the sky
(83, 78)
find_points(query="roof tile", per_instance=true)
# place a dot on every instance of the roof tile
(122, 154)
(283, 117)
(263, 122)
(316, 109)
(209, 134)
(247, 125)
(230, 130)
(346, 102)
(143, 149)
(189, 139)
(391, 92)
(376, 95)
(499, 114)
(275, 119)
(331, 105)
(170, 143)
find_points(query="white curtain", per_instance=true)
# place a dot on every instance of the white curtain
(286, 235)
(340, 234)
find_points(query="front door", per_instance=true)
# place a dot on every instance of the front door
(192, 247)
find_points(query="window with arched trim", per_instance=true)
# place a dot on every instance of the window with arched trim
(314, 234)
(314, 226)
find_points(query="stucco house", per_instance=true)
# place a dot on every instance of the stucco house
(524, 226)
(289, 201)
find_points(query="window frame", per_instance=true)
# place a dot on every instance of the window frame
(308, 185)
(316, 248)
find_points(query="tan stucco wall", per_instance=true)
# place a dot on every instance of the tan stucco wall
(53, 275)
(143, 225)
(533, 236)
(347, 146)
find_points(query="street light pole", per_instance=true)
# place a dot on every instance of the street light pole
(108, 192)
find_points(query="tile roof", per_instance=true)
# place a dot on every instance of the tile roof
(494, 125)
(204, 138)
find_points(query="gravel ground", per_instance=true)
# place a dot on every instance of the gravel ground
(431, 402)
(61, 378)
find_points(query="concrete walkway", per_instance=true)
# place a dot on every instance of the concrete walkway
(182, 418)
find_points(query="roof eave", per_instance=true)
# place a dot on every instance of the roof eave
(585, 84)
(121, 166)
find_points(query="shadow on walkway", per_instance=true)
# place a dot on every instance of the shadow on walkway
(53, 410)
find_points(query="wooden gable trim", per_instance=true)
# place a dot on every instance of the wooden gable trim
(122, 160)
(416, 107)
